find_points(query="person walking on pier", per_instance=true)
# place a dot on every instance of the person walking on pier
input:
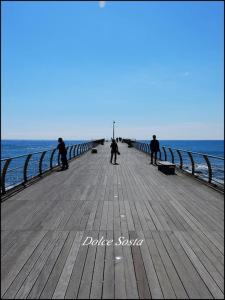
(63, 152)
(154, 147)
(114, 151)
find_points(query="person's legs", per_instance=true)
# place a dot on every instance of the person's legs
(115, 158)
(63, 161)
(155, 157)
(66, 162)
(151, 157)
(111, 157)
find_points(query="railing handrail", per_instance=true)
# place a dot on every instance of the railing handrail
(139, 146)
(47, 150)
(182, 150)
(81, 149)
(193, 152)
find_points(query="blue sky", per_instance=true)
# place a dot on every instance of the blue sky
(70, 68)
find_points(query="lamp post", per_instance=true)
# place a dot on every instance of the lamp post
(113, 128)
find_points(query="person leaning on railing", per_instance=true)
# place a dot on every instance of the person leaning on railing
(63, 152)
(154, 147)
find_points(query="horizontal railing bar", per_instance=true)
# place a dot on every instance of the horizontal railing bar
(199, 153)
(211, 178)
(14, 157)
(43, 163)
(48, 150)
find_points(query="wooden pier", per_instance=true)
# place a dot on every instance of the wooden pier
(180, 220)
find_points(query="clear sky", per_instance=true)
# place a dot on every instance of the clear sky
(70, 68)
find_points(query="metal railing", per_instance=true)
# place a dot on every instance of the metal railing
(17, 171)
(206, 167)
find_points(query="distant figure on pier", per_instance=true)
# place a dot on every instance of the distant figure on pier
(154, 147)
(63, 152)
(114, 151)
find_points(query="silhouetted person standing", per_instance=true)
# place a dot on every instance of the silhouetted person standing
(154, 147)
(63, 152)
(114, 150)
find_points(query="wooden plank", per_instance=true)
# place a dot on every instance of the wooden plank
(177, 285)
(214, 289)
(167, 289)
(129, 271)
(53, 279)
(22, 257)
(188, 282)
(48, 267)
(62, 284)
(75, 278)
(22, 275)
(217, 277)
(141, 277)
(109, 270)
(31, 278)
(191, 270)
(119, 262)
(215, 256)
(98, 271)
(85, 284)
(153, 281)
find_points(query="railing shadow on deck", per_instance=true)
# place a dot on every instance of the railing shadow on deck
(17, 172)
(207, 168)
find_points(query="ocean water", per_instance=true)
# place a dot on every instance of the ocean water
(13, 148)
(210, 147)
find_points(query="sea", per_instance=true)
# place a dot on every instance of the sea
(14, 148)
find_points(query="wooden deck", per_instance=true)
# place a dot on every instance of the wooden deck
(180, 220)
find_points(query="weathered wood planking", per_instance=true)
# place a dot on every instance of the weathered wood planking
(179, 219)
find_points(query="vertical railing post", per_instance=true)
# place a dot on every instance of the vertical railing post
(209, 168)
(40, 162)
(192, 163)
(74, 150)
(145, 148)
(25, 168)
(51, 158)
(148, 149)
(171, 152)
(70, 155)
(4, 171)
(164, 152)
(181, 159)
(160, 154)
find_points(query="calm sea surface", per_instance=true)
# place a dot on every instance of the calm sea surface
(13, 148)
